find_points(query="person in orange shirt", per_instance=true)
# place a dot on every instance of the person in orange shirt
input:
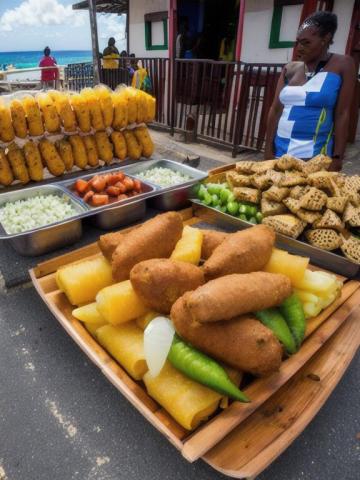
(48, 76)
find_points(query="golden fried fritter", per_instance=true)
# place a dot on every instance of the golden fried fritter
(159, 282)
(232, 295)
(243, 343)
(156, 238)
(211, 240)
(108, 243)
(241, 252)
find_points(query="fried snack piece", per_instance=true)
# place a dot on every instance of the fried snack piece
(96, 118)
(159, 282)
(211, 240)
(17, 161)
(33, 116)
(53, 161)
(120, 102)
(78, 150)
(66, 154)
(141, 101)
(118, 140)
(91, 150)
(64, 110)
(108, 243)
(33, 161)
(143, 137)
(131, 94)
(7, 133)
(241, 252)
(134, 149)
(104, 147)
(104, 96)
(243, 343)
(232, 295)
(18, 118)
(50, 117)
(82, 112)
(155, 238)
(6, 175)
(150, 108)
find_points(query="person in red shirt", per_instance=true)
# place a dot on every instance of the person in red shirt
(48, 77)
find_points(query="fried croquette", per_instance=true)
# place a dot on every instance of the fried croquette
(159, 282)
(241, 252)
(211, 240)
(238, 294)
(243, 343)
(108, 243)
(156, 238)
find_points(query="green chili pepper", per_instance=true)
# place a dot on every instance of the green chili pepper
(203, 369)
(273, 319)
(293, 312)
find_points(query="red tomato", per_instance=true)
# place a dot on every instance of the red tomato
(116, 177)
(99, 200)
(98, 184)
(80, 185)
(113, 191)
(121, 187)
(122, 197)
(137, 185)
(88, 196)
(129, 183)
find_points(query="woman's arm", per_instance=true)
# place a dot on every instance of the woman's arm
(342, 112)
(273, 118)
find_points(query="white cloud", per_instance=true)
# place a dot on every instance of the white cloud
(111, 26)
(35, 13)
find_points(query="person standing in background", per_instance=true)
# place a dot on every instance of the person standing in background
(49, 76)
(111, 55)
(311, 109)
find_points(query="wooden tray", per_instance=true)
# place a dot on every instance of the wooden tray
(245, 438)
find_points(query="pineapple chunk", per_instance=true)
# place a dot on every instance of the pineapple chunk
(316, 282)
(119, 303)
(143, 322)
(188, 248)
(312, 309)
(306, 297)
(293, 266)
(88, 314)
(82, 281)
(93, 327)
(187, 401)
(126, 344)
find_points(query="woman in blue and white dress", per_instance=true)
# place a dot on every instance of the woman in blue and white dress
(311, 110)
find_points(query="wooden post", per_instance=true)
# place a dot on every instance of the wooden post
(240, 28)
(94, 41)
(128, 28)
(172, 54)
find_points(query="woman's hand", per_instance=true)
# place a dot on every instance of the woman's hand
(336, 165)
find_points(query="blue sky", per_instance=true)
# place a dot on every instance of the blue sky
(30, 24)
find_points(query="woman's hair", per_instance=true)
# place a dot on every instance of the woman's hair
(111, 41)
(325, 22)
(46, 51)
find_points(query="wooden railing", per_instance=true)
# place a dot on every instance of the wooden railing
(224, 103)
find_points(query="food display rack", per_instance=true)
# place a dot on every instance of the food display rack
(242, 440)
(45, 239)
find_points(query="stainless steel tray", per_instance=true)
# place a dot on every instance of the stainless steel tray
(120, 213)
(48, 237)
(176, 196)
(321, 258)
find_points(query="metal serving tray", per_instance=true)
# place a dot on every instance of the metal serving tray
(174, 197)
(119, 213)
(322, 258)
(49, 237)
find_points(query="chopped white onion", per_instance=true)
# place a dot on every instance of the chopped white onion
(165, 177)
(158, 337)
(34, 212)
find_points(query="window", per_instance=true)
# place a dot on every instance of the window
(285, 23)
(156, 31)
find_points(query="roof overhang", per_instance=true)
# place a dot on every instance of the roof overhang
(105, 6)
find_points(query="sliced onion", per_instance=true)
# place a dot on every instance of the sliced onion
(158, 337)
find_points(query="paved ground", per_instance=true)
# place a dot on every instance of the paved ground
(60, 419)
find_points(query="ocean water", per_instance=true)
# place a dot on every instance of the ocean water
(31, 59)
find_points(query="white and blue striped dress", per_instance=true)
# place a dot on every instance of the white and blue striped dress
(305, 128)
